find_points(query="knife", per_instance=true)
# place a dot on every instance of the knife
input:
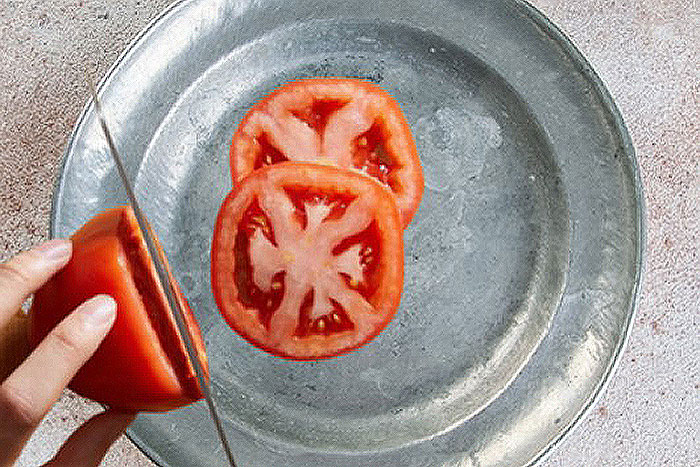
(163, 277)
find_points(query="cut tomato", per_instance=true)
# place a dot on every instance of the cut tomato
(349, 123)
(142, 364)
(307, 260)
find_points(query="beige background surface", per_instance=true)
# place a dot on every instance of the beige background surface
(645, 51)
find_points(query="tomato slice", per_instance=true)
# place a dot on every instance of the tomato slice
(142, 364)
(349, 123)
(307, 260)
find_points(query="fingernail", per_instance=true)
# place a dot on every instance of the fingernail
(55, 250)
(99, 311)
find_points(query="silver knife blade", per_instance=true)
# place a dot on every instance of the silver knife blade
(163, 277)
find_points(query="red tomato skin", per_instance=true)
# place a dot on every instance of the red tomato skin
(131, 370)
(391, 265)
(408, 194)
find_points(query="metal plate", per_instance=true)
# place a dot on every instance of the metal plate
(522, 264)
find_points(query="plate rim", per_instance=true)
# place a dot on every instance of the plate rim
(616, 122)
(556, 34)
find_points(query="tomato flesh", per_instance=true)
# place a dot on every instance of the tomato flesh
(319, 113)
(307, 259)
(301, 197)
(335, 321)
(137, 265)
(250, 294)
(366, 246)
(370, 155)
(348, 123)
(268, 154)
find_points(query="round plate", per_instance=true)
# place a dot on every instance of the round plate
(521, 266)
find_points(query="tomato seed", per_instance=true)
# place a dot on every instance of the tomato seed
(321, 324)
(336, 318)
(366, 256)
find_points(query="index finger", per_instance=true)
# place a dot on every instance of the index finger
(29, 270)
(28, 393)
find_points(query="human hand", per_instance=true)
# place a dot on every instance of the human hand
(32, 388)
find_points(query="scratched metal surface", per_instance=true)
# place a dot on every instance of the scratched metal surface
(522, 264)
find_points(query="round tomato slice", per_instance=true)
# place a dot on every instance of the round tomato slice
(307, 260)
(337, 121)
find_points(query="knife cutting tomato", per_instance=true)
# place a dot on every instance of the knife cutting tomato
(345, 122)
(142, 363)
(307, 260)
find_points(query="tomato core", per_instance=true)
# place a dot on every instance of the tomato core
(317, 116)
(361, 249)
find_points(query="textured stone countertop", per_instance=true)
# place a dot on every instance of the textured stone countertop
(646, 52)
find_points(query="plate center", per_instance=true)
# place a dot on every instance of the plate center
(485, 256)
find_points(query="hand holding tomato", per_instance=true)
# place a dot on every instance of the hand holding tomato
(29, 391)
(142, 365)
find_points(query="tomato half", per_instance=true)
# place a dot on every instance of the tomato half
(337, 121)
(307, 260)
(142, 364)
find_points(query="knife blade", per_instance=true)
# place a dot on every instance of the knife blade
(163, 277)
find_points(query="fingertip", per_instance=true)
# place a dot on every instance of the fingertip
(99, 311)
(103, 300)
(58, 250)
